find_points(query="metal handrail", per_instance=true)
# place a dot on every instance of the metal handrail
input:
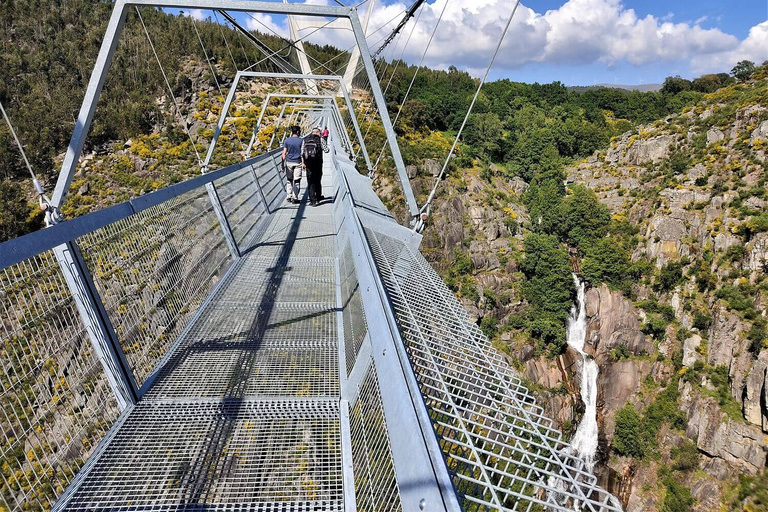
(32, 244)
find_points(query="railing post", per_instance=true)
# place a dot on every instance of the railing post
(261, 191)
(223, 222)
(104, 340)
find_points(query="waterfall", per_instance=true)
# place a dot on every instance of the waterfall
(584, 442)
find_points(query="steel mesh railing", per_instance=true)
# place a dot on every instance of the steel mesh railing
(153, 270)
(55, 400)
(375, 482)
(502, 450)
(242, 203)
(353, 313)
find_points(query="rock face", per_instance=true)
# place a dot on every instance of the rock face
(612, 320)
(742, 446)
(631, 150)
(756, 393)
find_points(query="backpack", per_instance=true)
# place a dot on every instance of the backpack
(312, 149)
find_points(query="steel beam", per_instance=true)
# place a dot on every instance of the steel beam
(381, 104)
(104, 340)
(297, 42)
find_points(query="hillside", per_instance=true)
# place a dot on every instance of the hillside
(673, 244)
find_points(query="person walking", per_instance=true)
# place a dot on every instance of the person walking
(292, 151)
(326, 133)
(312, 150)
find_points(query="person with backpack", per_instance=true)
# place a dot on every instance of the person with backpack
(312, 150)
(292, 164)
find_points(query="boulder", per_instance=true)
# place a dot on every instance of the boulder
(724, 338)
(757, 253)
(652, 150)
(760, 133)
(714, 135)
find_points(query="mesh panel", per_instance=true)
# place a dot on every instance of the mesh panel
(503, 452)
(242, 204)
(355, 327)
(153, 270)
(375, 483)
(56, 402)
(250, 455)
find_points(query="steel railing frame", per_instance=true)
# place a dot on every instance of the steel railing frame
(327, 99)
(423, 479)
(287, 76)
(62, 240)
(109, 44)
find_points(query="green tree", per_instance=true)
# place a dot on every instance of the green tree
(628, 438)
(743, 70)
(586, 218)
(676, 84)
(607, 261)
(483, 134)
(548, 288)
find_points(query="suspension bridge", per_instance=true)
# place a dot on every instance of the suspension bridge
(211, 346)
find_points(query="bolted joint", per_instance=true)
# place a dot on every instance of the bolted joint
(53, 215)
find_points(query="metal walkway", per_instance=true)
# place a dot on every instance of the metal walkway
(245, 409)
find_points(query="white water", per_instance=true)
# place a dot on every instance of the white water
(584, 442)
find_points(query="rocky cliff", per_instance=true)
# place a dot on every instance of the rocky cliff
(685, 347)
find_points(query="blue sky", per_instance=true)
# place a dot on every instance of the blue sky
(578, 42)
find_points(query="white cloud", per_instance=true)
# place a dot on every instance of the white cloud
(197, 14)
(754, 48)
(579, 32)
(265, 23)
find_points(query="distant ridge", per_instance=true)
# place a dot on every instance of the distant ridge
(641, 88)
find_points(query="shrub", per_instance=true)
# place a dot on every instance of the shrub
(758, 335)
(489, 325)
(685, 457)
(17, 217)
(628, 436)
(655, 327)
(462, 264)
(736, 296)
(678, 497)
(670, 276)
(701, 320)
(620, 352)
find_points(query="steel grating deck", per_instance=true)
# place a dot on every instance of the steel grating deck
(243, 413)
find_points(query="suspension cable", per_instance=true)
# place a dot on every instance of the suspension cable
(226, 43)
(170, 89)
(397, 64)
(38, 187)
(215, 78)
(413, 80)
(408, 15)
(425, 209)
